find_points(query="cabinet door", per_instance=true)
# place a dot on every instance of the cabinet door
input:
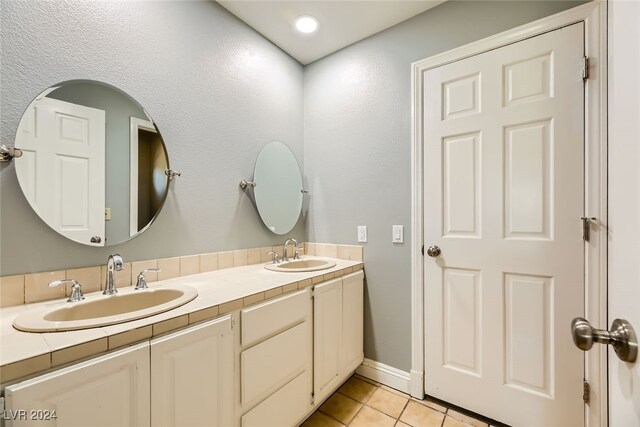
(192, 376)
(352, 321)
(110, 390)
(327, 330)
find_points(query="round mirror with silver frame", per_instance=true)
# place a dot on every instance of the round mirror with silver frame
(278, 187)
(93, 164)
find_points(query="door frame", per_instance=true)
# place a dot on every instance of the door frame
(594, 16)
(136, 124)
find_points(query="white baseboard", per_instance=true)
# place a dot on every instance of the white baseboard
(385, 374)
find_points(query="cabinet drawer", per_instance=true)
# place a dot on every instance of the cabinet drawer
(273, 316)
(283, 408)
(267, 365)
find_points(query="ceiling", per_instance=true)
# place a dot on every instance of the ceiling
(341, 22)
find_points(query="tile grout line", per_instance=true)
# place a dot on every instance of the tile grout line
(357, 412)
(363, 403)
(403, 409)
(397, 420)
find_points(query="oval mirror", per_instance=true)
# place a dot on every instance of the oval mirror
(93, 164)
(278, 190)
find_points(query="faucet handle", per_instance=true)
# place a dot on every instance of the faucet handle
(76, 289)
(274, 257)
(142, 282)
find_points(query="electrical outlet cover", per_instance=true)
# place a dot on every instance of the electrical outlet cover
(362, 234)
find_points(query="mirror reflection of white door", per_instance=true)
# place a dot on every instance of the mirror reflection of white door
(503, 197)
(63, 167)
(136, 125)
(624, 202)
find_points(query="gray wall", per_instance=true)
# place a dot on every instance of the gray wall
(217, 90)
(118, 108)
(357, 119)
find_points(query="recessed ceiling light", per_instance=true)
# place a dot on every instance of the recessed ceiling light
(306, 24)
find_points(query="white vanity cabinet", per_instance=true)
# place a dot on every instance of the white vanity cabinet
(185, 378)
(270, 368)
(276, 361)
(192, 376)
(338, 323)
(109, 390)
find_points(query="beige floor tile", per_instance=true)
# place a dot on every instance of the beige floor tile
(466, 419)
(369, 380)
(394, 391)
(401, 424)
(431, 404)
(357, 389)
(418, 415)
(369, 417)
(318, 419)
(387, 402)
(452, 422)
(341, 407)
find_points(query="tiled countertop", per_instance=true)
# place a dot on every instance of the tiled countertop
(219, 292)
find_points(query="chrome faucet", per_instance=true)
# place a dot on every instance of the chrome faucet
(76, 289)
(274, 257)
(141, 283)
(285, 257)
(114, 263)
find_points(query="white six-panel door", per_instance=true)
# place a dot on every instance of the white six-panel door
(62, 171)
(503, 197)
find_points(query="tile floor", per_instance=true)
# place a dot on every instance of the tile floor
(361, 402)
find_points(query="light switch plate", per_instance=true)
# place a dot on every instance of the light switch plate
(397, 232)
(362, 234)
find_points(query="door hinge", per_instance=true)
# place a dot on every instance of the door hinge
(422, 250)
(313, 399)
(313, 292)
(233, 322)
(586, 391)
(585, 67)
(586, 227)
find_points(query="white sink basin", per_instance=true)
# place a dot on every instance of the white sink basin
(106, 310)
(301, 265)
